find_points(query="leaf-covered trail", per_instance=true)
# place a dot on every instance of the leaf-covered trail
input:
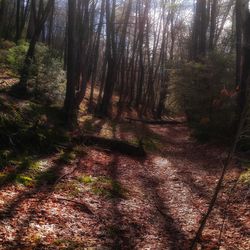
(112, 201)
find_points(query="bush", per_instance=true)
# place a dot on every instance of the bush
(31, 128)
(16, 55)
(49, 83)
(46, 77)
(206, 93)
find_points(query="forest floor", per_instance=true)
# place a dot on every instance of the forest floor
(97, 199)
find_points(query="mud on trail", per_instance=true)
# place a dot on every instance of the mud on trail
(107, 200)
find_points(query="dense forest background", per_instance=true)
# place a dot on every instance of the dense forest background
(158, 57)
(75, 73)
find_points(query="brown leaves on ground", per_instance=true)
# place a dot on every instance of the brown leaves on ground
(113, 201)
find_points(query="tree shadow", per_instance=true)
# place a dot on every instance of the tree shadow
(174, 236)
(118, 230)
(221, 205)
(93, 125)
(43, 188)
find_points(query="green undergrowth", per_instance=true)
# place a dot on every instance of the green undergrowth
(21, 170)
(245, 176)
(31, 128)
(29, 131)
(101, 186)
(104, 186)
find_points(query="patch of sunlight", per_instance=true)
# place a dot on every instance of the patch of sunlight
(107, 131)
(87, 179)
(24, 180)
(43, 229)
(161, 162)
(44, 164)
(85, 118)
(245, 177)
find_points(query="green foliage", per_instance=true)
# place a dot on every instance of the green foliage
(86, 179)
(109, 188)
(49, 82)
(19, 169)
(104, 186)
(24, 180)
(46, 76)
(206, 93)
(33, 128)
(245, 177)
(16, 55)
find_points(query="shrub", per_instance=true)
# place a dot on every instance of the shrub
(49, 83)
(16, 55)
(46, 77)
(205, 91)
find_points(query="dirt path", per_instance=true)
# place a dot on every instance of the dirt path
(112, 201)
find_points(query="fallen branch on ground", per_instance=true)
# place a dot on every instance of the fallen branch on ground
(155, 122)
(112, 144)
(83, 206)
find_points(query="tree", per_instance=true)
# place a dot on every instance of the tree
(40, 15)
(242, 7)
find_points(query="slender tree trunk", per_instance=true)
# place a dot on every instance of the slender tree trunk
(70, 99)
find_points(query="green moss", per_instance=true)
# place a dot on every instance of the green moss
(108, 187)
(24, 180)
(245, 177)
(103, 186)
(86, 179)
